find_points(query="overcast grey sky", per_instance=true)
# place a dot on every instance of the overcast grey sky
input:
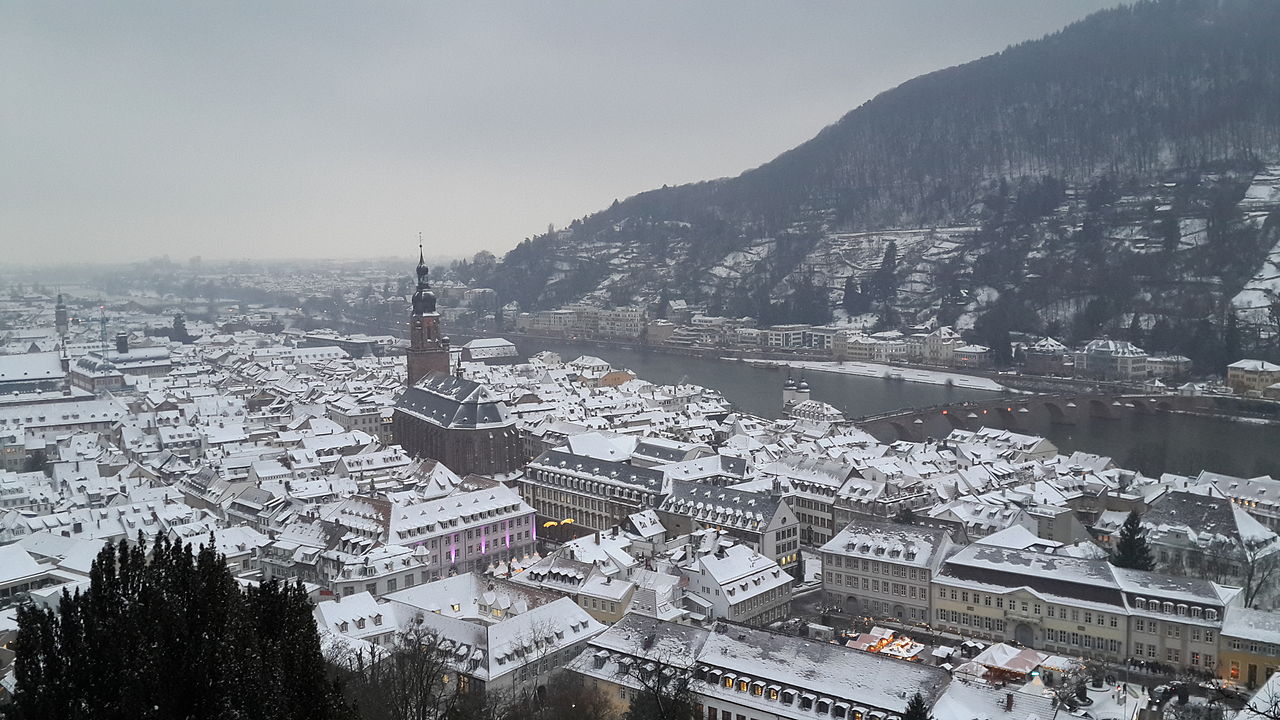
(339, 129)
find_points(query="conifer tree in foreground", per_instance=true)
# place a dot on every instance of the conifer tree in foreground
(1131, 549)
(916, 709)
(165, 631)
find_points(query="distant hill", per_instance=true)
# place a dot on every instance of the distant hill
(1117, 167)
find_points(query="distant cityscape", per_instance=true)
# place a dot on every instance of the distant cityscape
(488, 496)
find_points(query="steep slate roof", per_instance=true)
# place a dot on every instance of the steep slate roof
(454, 402)
(725, 507)
(620, 472)
(907, 544)
(1203, 518)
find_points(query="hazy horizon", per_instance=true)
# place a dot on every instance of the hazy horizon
(336, 131)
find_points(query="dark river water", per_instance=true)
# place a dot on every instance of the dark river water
(1155, 444)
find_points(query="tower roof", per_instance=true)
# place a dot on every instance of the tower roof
(424, 301)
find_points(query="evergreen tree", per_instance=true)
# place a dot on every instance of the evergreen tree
(916, 709)
(854, 302)
(884, 283)
(1231, 341)
(810, 302)
(180, 333)
(1131, 550)
(1135, 330)
(166, 632)
(1162, 337)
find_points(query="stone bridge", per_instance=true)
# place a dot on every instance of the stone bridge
(1020, 413)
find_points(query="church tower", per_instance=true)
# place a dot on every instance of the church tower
(428, 350)
(60, 319)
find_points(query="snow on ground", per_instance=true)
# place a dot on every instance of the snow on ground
(1265, 189)
(876, 370)
(812, 565)
(1259, 292)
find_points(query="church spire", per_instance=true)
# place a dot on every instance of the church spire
(424, 301)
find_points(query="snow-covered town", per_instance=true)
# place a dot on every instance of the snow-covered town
(546, 515)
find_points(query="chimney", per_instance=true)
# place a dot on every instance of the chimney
(122, 342)
(1008, 702)
(597, 537)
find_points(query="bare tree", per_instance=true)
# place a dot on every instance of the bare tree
(532, 649)
(1258, 566)
(1069, 686)
(663, 681)
(565, 696)
(1265, 703)
(414, 679)
(1194, 711)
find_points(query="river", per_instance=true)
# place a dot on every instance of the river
(1155, 444)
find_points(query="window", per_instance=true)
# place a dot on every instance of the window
(1209, 635)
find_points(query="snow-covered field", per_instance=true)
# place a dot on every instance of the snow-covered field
(865, 369)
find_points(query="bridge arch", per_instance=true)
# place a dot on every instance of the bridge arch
(901, 431)
(1057, 415)
(1100, 409)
